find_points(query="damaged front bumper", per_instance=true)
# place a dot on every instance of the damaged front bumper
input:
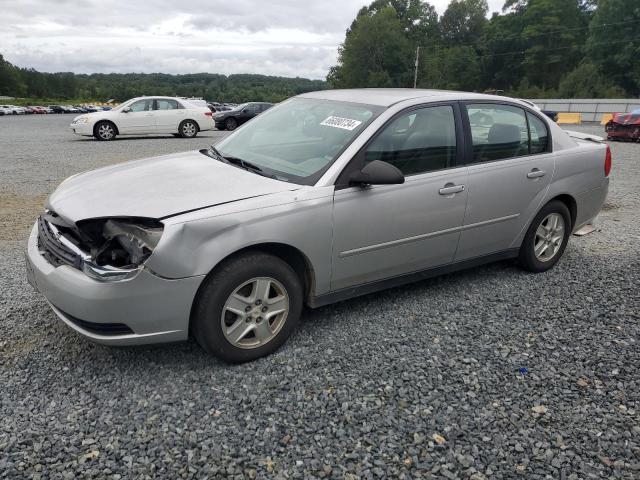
(139, 310)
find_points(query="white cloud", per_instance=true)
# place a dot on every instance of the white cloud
(276, 37)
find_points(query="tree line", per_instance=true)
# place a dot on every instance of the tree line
(533, 49)
(29, 83)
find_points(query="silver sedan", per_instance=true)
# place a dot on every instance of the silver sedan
(324, 197)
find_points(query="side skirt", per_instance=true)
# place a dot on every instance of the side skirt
(371, 287)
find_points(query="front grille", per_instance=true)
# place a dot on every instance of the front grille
(54, 251)
(106, 329)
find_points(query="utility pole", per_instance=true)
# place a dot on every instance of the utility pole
(415, 75)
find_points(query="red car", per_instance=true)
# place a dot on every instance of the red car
(624, 127)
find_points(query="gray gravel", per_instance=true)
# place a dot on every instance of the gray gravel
(491, 373)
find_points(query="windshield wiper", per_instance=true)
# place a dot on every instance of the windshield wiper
(251, 167)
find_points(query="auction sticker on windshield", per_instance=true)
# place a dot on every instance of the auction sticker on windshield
(339, 122)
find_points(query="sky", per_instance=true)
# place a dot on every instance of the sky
(272, 37)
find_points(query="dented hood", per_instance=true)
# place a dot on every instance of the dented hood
(158, 187)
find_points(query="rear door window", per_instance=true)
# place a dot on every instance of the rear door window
(166, 104)
(497, 132)
(539, 134)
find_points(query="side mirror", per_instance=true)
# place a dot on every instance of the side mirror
(246, 110)
(377, 173)
(126, 109)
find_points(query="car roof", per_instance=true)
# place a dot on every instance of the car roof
(385, 97)
(157, 97)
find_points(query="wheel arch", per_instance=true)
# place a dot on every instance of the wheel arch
(106, 120)
(571, 204)
(291, 255)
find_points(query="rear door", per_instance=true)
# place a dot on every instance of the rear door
(383, 231)
(168, 115)
(140, 119)
(510, 169)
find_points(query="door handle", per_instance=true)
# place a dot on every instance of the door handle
(536, 173)
(451, 189)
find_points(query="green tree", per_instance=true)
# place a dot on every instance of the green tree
(451, 68)
(614, 42)
(502, 60)
(375, 53)
(418, 18)
(586, 81)
(10, 79)
(554, 33)
(464, 21)
(539, 41)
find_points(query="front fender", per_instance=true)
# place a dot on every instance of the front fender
(194, 243)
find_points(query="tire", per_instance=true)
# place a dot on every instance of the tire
(233, 287)
(188, 129)
(105, 131)
(547, 237)
(230, 124)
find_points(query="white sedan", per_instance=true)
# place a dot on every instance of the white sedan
(13, 110)
(145, 115)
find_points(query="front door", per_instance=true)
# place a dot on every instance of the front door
(510, 170)
(384, 231)
(140, 119)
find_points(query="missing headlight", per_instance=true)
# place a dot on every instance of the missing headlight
(137, 242)
(119, 246)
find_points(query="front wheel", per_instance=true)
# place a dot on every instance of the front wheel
(104, 131)
(188, 129)
(247, 308)
(231, 124)
(547, 237)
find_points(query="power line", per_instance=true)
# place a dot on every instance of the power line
(542, 34)
(589, 27)
(525, 52)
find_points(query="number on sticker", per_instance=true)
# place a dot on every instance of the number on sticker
(339, 122)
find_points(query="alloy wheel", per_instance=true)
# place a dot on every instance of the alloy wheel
(106, 131)
(255, 312)
(549, 237)
(188, 129)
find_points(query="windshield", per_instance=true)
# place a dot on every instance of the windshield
(240, 107)
(297, 140)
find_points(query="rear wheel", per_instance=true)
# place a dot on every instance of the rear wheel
(547, 237)
(247, 308)
(188, 129)
(231, 124)
(104, 131)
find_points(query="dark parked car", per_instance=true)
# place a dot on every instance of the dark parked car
(57, 109)
(242, 113)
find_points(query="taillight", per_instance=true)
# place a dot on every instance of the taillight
(208, 114)
(607, 162)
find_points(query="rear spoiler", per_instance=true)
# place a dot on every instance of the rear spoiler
(584, 136)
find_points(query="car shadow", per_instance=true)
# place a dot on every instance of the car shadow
(189, 355)
(142, 137)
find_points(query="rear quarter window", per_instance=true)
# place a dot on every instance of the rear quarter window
(539, 134)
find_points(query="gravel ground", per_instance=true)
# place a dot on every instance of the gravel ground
(491, 373)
